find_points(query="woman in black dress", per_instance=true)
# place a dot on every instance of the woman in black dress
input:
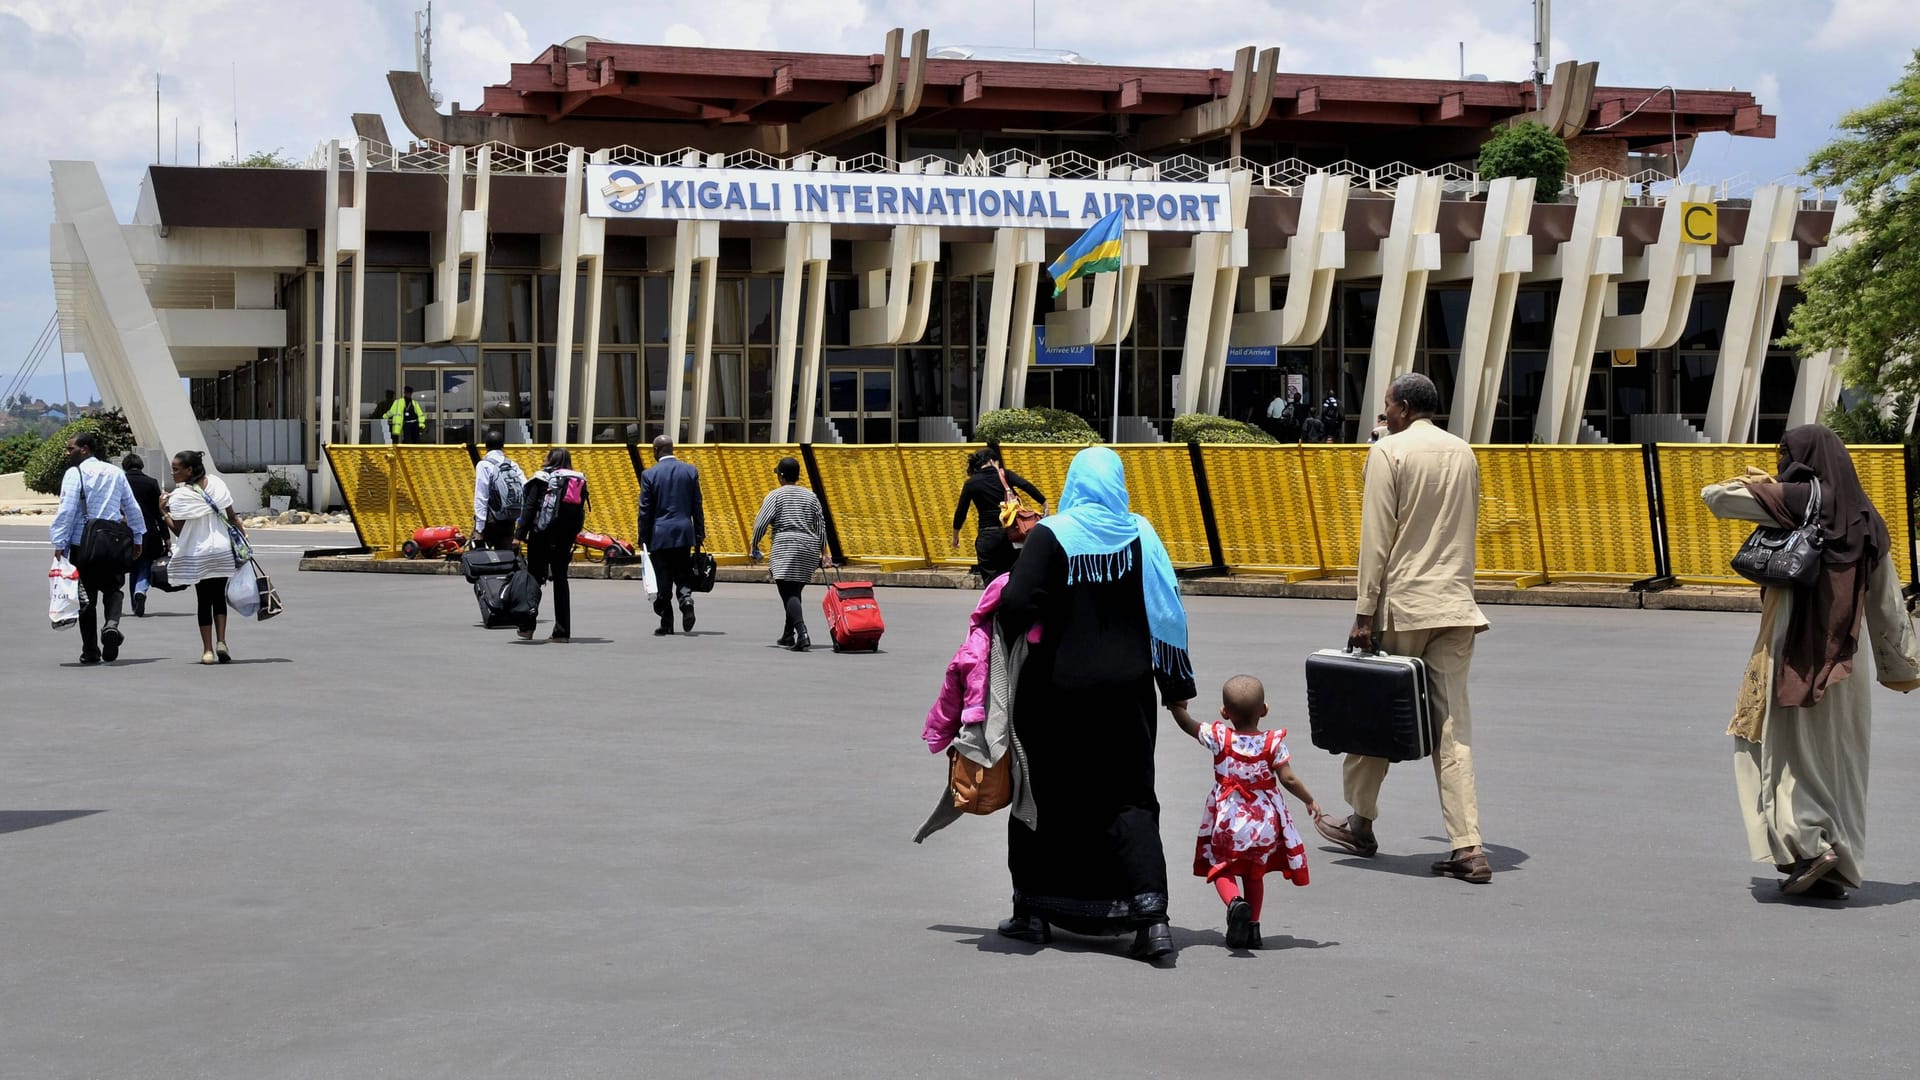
(984, 492)
(1098, 581)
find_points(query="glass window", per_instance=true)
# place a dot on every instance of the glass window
(508, 314)
(726, 393)
(1706, 320)
(1359, 309)
(1526, 375)
(616, 394)
(1632, 297)
(759, 384)
(729, 312)
(1146, 317)
(416, 291)
(960, 393)
(382, 320)
(506, 385)
(763, 309)
(379, 372)
(550, 307)
(655, 291)
(843, 295)
(936, 333)
(843, 390)
(620, 310)
(1694, 373)
(1777, 378)
(1446, 318)
(1173, 315)
(1533, 318)
(1442, 368)
(1790, 298)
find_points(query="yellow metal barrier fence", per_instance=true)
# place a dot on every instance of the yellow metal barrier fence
(1594, 517)
(1547, 513)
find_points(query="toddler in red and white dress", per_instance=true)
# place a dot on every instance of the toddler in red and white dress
(1246, 832)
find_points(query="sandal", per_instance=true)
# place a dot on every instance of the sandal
(1472, 868)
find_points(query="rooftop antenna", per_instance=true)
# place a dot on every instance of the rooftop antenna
(233, 70)
(1463, 61)
(1542, 45)
(423, 48)
(156, 118)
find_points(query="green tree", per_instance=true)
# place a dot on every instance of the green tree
(263, 159)
(1865, 297)
(1527, 149)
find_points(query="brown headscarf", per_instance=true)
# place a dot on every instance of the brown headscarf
(1825, 627)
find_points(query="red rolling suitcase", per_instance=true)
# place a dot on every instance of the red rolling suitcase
(853, 616)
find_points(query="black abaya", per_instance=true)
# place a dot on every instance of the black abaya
(1085, 714)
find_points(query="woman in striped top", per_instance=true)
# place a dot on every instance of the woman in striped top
(799, 544)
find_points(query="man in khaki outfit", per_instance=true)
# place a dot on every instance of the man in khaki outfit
(1416, 593)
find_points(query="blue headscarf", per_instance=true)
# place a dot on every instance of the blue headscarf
(1096, 530)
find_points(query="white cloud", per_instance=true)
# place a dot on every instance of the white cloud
(1869, 22)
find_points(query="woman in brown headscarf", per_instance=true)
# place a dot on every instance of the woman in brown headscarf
(1803, 725)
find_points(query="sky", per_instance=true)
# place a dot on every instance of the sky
(80, 73)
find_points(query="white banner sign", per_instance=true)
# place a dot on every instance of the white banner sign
(676, 194)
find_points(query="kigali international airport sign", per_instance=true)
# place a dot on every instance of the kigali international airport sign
(767, 195)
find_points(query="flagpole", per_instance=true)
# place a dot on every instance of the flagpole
(1116, 388)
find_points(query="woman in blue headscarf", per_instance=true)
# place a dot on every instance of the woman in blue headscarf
(1098, 581)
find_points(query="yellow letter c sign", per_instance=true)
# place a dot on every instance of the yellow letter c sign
(1699, 223)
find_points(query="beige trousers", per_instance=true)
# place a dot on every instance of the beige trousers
(1448, 651)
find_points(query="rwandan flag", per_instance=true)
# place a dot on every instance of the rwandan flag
(1096, 252)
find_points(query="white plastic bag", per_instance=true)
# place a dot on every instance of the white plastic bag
(243, 591)
(647, 579)
(63, 583)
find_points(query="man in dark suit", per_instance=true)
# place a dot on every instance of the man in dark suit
(671, 524)
(146, 492)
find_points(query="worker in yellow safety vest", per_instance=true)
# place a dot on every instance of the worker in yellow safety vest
(407, 420)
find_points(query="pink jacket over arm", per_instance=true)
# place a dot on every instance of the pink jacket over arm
(963, 693)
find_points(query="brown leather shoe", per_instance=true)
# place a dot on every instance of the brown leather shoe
(1472, 868)
(1807, 873)
(1353, 832)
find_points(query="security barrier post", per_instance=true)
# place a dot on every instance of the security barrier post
(1657, 515)
(473, 452)
(826, 508)
(1912, 591)
(1218, 565)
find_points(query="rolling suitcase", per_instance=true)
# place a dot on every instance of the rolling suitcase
(1370, 703)
(509, 599)
(486, 562)
(853, 616)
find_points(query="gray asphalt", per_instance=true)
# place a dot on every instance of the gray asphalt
(386, 843)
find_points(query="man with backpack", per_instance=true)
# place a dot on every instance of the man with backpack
(555, 510)
(498, 495)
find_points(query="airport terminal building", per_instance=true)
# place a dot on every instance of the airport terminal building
(736, 246)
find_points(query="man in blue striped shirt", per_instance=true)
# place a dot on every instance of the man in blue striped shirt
(94, 489)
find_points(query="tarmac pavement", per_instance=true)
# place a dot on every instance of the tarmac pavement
(387, 843)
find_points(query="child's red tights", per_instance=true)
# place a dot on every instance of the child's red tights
(1253, 888)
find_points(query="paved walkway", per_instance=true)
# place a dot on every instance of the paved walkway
(387, 843)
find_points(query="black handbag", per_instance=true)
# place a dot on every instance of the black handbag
(1784, 558)
(106, 545)
(160, 573)
(702, 571)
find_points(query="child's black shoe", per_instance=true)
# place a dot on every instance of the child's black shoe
(1239, 921)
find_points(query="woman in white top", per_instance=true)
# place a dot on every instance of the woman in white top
(199, 510)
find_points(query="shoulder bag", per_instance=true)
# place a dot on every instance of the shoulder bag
(105, 543)
(1015, 518)
(1784, 558)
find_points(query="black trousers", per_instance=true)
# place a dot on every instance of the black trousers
(497, 535)
(548, 564)
(790, 600)
(97, 586)
(211, 595)
(673, 569)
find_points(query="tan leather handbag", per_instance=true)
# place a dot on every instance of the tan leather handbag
(1017, 519)
(979, 789)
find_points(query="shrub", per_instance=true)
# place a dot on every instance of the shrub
(15, 450)
(1208, 428)
(48, 462)
(1527, 149)
(1034, 426)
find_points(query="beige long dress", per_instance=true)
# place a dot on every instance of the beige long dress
(1803, 782)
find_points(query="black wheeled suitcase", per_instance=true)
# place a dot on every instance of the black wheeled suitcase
(486, 562)
(511, 599)
(1375, 704)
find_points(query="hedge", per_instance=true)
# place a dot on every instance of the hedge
(1034, 426)
(1207, 428)
(16, 450)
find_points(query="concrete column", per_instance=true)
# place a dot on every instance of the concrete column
(1409, 252)
(351, 238)
(329, 311)
(1496, 260)
(1310, 262)
(569, 263)
(1818, 385)
(464, 242)
(896, 286)
(592, 250)
(1766, 257)
(1670, 267)
(805, 248)
(1009, 308)
(1583, 264)
(694, 247)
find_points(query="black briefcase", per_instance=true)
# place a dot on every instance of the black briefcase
(1375, 704)
(703, 571)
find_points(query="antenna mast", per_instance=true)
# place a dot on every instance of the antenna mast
(1542, 46)
(423, 48)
